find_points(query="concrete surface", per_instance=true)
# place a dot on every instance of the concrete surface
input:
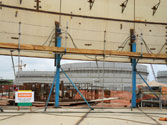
(73, 116)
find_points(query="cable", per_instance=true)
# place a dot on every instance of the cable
(3, 32)
(8, 33)
(48, 38)
(37, 25)
(52, 37)
(155, 35)
(147, 48)
(97, 31)
(124, 43)
(97, 41)
(76, 45)
(162, 47)
(6, 21)
(84, 29)
(62, 27)
(78, 39)
(72, 40)
(95, 58)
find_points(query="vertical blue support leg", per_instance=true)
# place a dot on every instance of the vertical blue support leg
(58, 58)
(133, 103)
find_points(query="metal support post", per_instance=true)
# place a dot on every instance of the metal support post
(58, 59)
(133, 61)
(57, 63)
(134, 80)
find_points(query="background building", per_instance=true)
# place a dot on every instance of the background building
(162, 77)
(116, 76)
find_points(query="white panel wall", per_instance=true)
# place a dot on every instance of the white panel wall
(36, 26)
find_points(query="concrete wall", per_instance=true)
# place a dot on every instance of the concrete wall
(36, 26)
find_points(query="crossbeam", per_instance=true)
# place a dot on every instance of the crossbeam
(82, 51)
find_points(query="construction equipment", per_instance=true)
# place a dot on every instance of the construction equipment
(149, 97)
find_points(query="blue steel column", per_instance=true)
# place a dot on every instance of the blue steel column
(133, 103)
(58, 58)
(133, 77)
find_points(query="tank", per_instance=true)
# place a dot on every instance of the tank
(116, 76)
(162, 77)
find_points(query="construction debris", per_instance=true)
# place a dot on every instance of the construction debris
(163, 119)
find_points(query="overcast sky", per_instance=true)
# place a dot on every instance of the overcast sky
(38, 64)
(32, 64)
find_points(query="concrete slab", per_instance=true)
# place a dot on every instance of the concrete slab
(74, 116)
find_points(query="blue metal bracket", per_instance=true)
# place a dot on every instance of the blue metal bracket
(77, 89)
